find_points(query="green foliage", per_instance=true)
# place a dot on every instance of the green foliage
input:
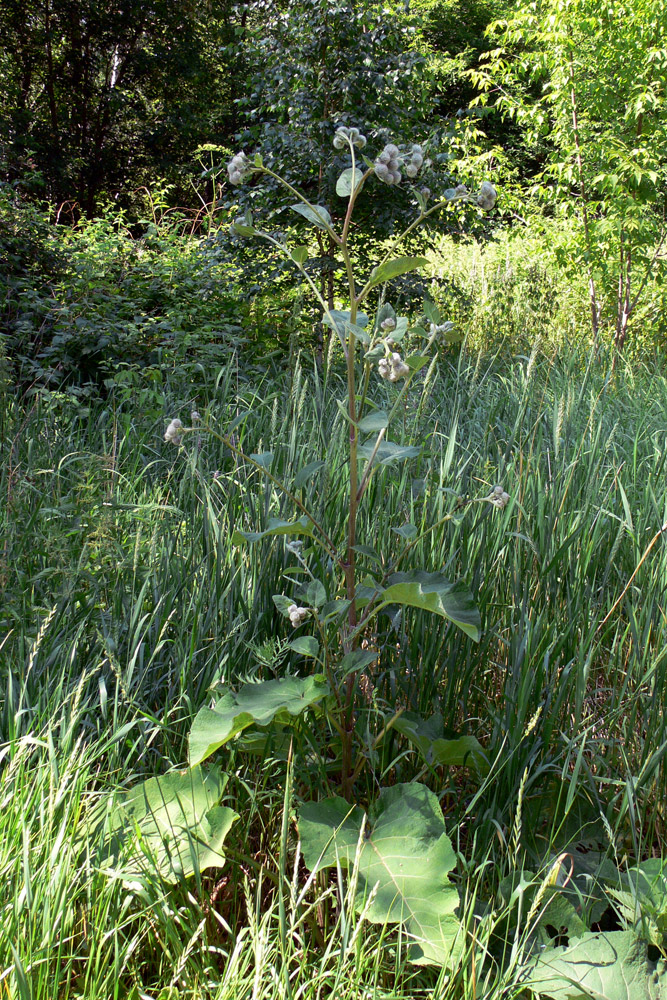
(125, 604)
(174, 821)
(279, 701)
(105, 99)
(587, 85)
(95, 297)
(401, 857)
(433, 593)
(438, 747)
(613, 966)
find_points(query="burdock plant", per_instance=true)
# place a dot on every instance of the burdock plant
(340, 612)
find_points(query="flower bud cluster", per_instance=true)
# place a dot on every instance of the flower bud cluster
(388, 324)
(173, 433)
(439, 328)
(486, 197)
(387, 164)
(498, 497)
(238, 168)
(416, 161)
(297, 614)
(393, 367)
(344, 134)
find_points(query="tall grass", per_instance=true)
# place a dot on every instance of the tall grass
(125, 602)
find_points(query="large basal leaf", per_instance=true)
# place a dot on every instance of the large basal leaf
(302, 526)
(316, 214)
(438, 747)
(254, 704)
(393, 268)
(612, 966)
(404, 855)
(174, 822)
(432, 592)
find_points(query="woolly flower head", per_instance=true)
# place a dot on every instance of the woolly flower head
(297, 614)
(388, 324)
(173, 433)
(498, 497)
(238, 168)
(393, 368)
(353, 135)
(486, 197)
(414, 165)
(387, 164)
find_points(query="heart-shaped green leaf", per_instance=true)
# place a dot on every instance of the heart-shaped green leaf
(432, 592)
(393, 268)
(282, 700)
(402, 854)
(316, 214)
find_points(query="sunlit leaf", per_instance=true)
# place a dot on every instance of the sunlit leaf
(281, 699)
(316, 214)
(402, 854)
(393, 268)
(432, 592)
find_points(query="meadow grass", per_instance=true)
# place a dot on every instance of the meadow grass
(125, 603)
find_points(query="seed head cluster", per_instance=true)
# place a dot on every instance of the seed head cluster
(414, 165)
(486, 197)
(174, 432)
(297, 614)
(387, 164)
(345, 135)
(498, 497)
(393, 367)
(238, 168)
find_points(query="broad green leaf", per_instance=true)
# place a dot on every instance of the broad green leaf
(377, 420)
(257, 704)
(283, 604)
(314, 594)
(334, 609)
(386, 311)
(316, 214)
(344, 182)
(174, 822)
(613, 966)
(242, 230)
(407, 531)
(388, 452)
(431, 311)
(402, 853)
(438, 747)
(401, 329)
(432, 592)
(357, 660)
(306, 645)
(393, 268)
(263, 458)
(302, 526)
(339, 319)
(308, 471)
(417, 361)
(299, 255)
